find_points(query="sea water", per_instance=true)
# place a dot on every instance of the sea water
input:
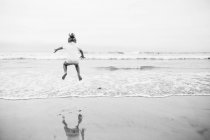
(112, 74)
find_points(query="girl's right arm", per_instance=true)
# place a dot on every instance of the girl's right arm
(60, 48)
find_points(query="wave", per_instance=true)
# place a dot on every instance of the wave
(37, 83)
(113, 68)
(146, 58)
(108, 56)
(139, 52)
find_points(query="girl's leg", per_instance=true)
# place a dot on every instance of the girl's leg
(78, 71)
(83, 133)
(65, 70)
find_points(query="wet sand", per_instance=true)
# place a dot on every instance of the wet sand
(106, 118)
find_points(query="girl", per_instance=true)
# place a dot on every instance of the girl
(72, 55)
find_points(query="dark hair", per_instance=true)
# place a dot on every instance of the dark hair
(72, 38)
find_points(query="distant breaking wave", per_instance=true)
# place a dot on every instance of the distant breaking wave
(109, 56)
(113, 68)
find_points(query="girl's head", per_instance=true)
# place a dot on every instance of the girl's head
(72, 38)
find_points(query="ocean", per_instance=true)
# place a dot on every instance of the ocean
(105, 74)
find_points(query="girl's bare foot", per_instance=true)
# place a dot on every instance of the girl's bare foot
(64, 76)
(80, 78)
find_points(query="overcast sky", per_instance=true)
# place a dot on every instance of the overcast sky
(106, 25)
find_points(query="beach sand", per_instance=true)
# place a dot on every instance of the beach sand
(106, 118)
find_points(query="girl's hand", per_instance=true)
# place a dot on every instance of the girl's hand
(82, 57)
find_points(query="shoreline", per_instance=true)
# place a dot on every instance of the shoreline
(113, 118)
(112, 97)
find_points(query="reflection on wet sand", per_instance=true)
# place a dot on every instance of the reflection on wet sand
(75, 133)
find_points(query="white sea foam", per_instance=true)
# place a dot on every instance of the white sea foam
(108, 56)
(32, 79)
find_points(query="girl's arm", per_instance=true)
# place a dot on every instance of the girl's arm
(60, 48)
(82, 54)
